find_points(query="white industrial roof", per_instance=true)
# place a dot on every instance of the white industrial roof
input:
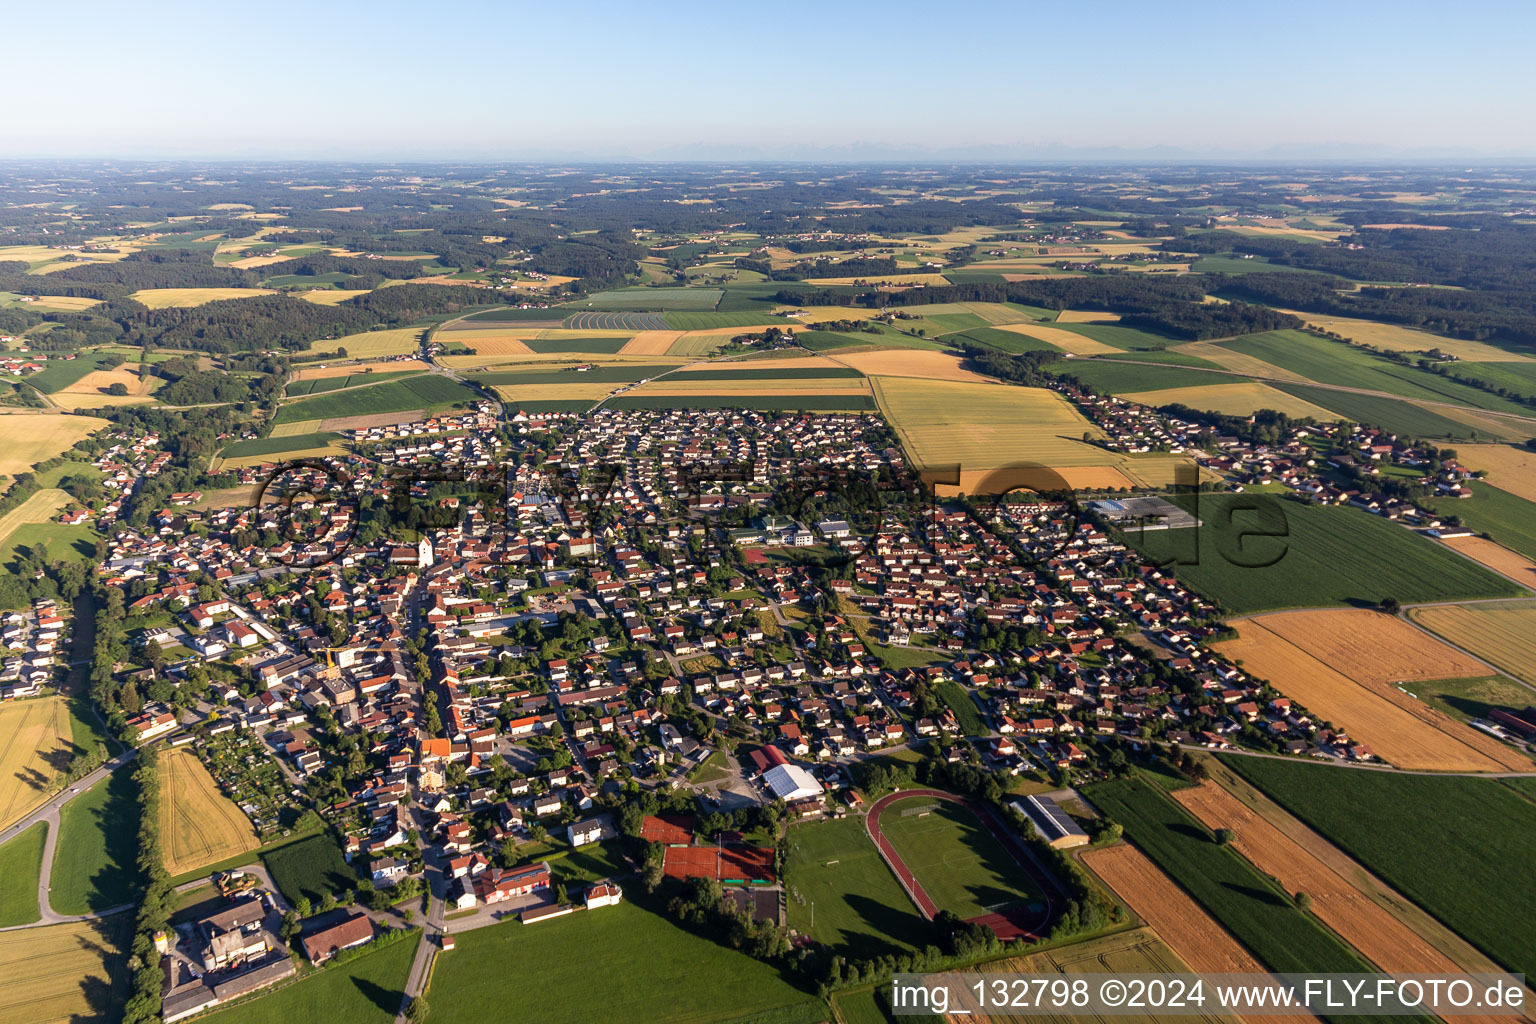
(791, 782)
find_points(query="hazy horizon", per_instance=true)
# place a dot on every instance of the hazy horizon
(860, 82)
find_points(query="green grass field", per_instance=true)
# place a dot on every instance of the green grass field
(60, 373)
(427, 391)
(962, 866)
(312, 869)
(1315, 555)
(653, 299)
(94, 863)
(685, 320)
(866, 1006)
(278, 445)
(557, 346)
(1003, 341)
(367, 990)
(75, 543)
(320, 385)
(826, 341)
(958, 700)
(1392, 414)
(664, 972)
(860, 909)
(1332, 362)
(1110, 377)
(21, 862)
(1128, 338)
(1248, 903)
(1517, 378)
(1458, 847)
(1508, 519)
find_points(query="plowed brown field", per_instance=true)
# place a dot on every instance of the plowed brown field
(1343, 666)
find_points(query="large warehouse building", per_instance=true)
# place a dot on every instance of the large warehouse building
(790, 782)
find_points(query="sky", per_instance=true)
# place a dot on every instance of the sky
(946, 79)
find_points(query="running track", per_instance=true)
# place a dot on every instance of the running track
(1012, 923)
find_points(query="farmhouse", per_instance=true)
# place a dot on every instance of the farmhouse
(326, 943)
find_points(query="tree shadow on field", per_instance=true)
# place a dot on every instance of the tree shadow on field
(900, 924)
(386, 999)
(1259, 895)
(1189, 831)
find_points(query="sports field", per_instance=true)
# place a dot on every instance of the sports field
(65, 972)
(1400, 827)
(198, 824)
(27, 439)
(1503, 633)
(1347, 666)
(670, 974)
(958, 862)
(35, 748)
(166, 298)
(858, 907)
(1238, 399)
(1257, 552)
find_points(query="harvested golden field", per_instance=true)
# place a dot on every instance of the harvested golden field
(1384, 939)
(679, 384)
(166, 298)
(707, 343)
(987, 481)
(331, 296)
(1496, 557)
(1177, 919)
(1406, 339)
(397, 341)
(296, 453)
(576, 389)
(897, 279)
(1509, 468)
(907, 362)
(825, 314)
(498, 346)
(1239, 362)
(61, 303)
(35, 744)
(1503, 633)
(983, 426)
(65, 972)
(1074, 344)
(29, 438)
(1085, 316)
(1343, 664)
(348, 369)
(1239, 399)
(198, 824)
(39, 507)
(98, 381)
(770, 363)
(252, 262)
(651, 343)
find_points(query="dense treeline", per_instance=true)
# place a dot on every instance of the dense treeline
(157, 268)
(363, 273)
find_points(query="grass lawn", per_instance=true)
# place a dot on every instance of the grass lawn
(866, 1006)
(1458, 847)
(663, 972)
(961, 865)
(860, 910)
(958, 699)
(366, 989)
(1508, 519)
(21, 861)
(60, 373)
(714, 769)
(311, 869)
(94, 863)
(1248, 903)
(1255, 552)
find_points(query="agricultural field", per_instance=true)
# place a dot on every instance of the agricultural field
(35, 748)
(1249, 904)
(1114, 335)
(736, 322)
(1219, 355)
(1332, 362)
(27, 439)
(263, 449)
(21, 863)
(311, 868)
(651, 343)
(60, 372)
(1176, 918)
(1259, 552)
(567, 346)
(1508, 467)
(1352, 666)
(168, 298)
(426, 391)
(1112, 376)
(1503, 634)
(1506, 518)
(1138, 951)
(751, 398)
(335, 382)
(1394, 338)
(39, 507)
(1400, 827)
(1398, 415)
(961, 865)
(654, 299)
(1067, 341)
(686, 979)
(1382, 937)
(860, 909)
(367, 990)
(93, 391)
(1515, 378)
(94, 862)
(65, 973)
(399, 341)
(588, 321)
(1241, 399)
(198, 824)
(907, 362)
